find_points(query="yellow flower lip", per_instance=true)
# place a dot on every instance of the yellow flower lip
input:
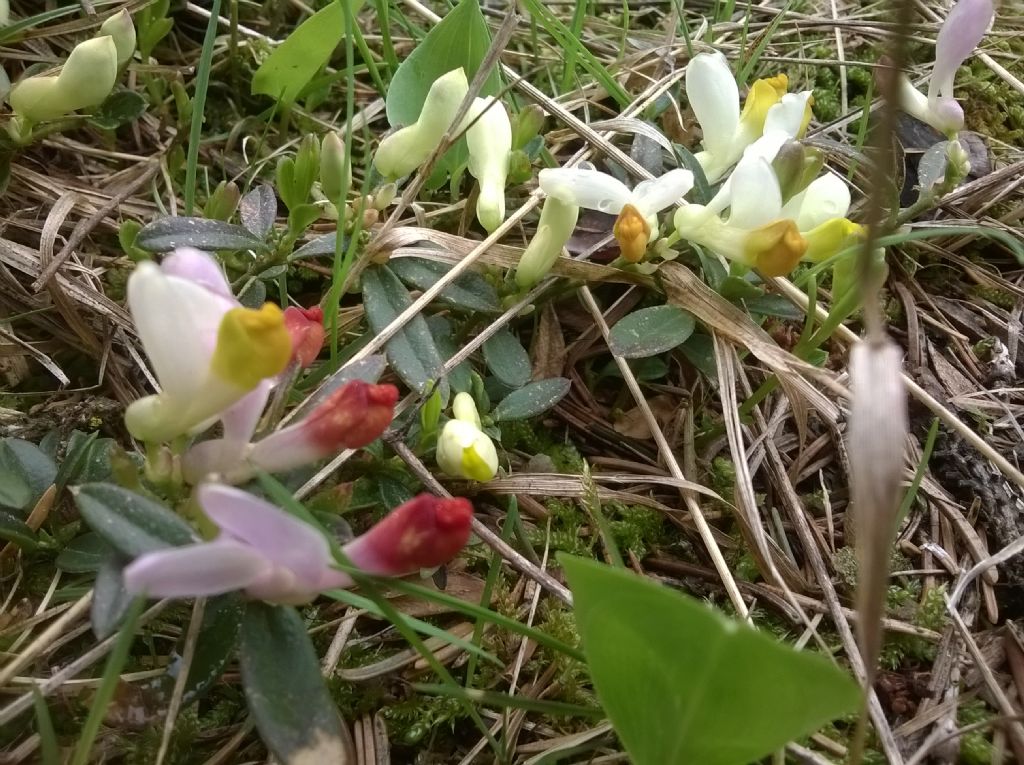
(776, 248)
(252, 344)
(632, 232)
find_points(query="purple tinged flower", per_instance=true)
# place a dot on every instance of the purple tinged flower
(274, 556)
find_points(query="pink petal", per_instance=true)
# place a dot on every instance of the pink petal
(207, 568)
(272, 532)
(963, 29)
(424, 532)
(240, 420)
(306, 327)
(198, 267)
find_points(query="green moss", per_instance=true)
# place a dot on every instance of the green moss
(975, 747)
(566, 535)
(635, 528)
(410, 721)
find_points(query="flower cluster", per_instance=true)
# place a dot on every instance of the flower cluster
(217, 362)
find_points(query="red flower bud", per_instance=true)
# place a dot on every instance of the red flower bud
(306, 328)
(352, 417)
(422, 533)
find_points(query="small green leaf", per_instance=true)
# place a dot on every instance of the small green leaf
(470, 291)
(253, 294)
(304, 53)
(683, 683)
(460, 39)
(84, 554)
(218, 635)
(411, 352)
(507, 359)
(531, 400)
(650, 331)
(32, 465)
(735, 288)
(131, 523)
(14, 490)
(444, 337)
(110, 600)
(321, 246)
(288, 699)
(86, 457)
(16, 531)
(774, 305)
(167, 234)
(258, 210)
(120, 108)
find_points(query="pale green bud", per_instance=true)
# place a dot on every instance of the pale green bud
(528, 124)
(490, 144)
(403, 151)
(557, 221)
(335, 169)
(796, 166)
(464, 408)
(384, 196)
(465, 451)
(958, 163)
(122, 32)
(86, 80)
(223, 201)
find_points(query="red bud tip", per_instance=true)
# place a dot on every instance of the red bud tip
(306, 328)
(424, 532)
(353, 416)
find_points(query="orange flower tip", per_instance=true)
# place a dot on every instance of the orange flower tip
(632, 232)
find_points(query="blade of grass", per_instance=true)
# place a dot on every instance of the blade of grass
(922, 466)
(195, 134)
(108, 683)
(49, 749)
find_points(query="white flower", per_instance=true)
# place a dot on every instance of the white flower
(206, 350)
(556, 224)
(85, 80)
(714, 98)
(637, 209)
(762, 232)
(963, 29)
(463, 449)
(490, 143)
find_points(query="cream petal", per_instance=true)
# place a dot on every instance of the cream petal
(654, 196)
(207, 568)
(715, 100)
(585, 188)
(755, 198)
(177, 321)
(963, 29)
(787, 115)
(826, 197)
(275, 534)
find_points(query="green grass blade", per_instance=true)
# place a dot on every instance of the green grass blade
(195, 134)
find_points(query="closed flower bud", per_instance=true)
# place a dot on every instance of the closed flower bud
(490, 143)
(223, 201)
(422, 533)
(384, 196)
(122, 32)
(405, 150)
(463, 449)
(529, 123)
(335, 170)
(557, 221)
(85, 80)
(796, 166)
(350, 418)
(306, 328)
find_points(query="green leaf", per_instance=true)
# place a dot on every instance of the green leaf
(167, 234)
(218, 635)
(34, 467)
(683, 683)
(84, 554)
(14, 490)
(294, 713)
(258, 210)
(444, 338)
(130, 523)
(411, 352)
(774, 305)
(120, 108)
(650, 331)
(16, 531)
(304, 53)
(507, 359)
(321, 246)
(80, 445)
(470, 291)
(110, 600)
(531, 400)
(459, 39)
(736, 288)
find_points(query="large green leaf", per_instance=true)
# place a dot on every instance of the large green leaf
(306, 51)
(166, 234)
(650, 331)
(26, 467)
(507, 359)
(294, 712)
(682, 683)
(531, 400)
(130, 523)
(459, 39)
(218, 635)
(411, 352)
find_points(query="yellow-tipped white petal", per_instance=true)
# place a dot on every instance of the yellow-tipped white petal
(464, 408)
(585, 187)
(788, 115)
(825, 198)
(655, 195)
(465, 451)
(490, 143)
(714, 98)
